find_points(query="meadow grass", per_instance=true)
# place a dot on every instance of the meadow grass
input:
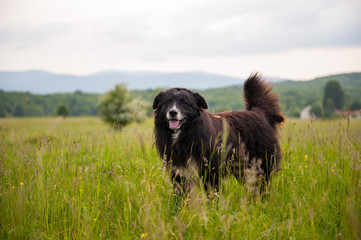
(75, 178)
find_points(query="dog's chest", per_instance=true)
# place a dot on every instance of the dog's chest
(175, 137)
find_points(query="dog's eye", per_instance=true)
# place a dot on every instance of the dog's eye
(183, 101)
(167, 101)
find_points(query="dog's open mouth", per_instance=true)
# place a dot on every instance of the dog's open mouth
(175, 123)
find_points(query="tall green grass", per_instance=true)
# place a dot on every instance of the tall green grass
(75, 178)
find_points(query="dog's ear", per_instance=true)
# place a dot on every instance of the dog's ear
(200, 100)
(157, 99)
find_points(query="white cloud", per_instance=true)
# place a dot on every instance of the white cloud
(215, 36)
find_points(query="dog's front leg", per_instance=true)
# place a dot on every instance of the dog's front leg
(179, 183)
(253, 176)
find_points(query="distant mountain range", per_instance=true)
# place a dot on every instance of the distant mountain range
(41, 82)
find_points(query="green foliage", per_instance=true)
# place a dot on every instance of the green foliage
(118, 107)
(329, 107)
(63, 110)
(333, 98)
(355, 105)
(220, 99)
(316, 110)
(2, 111)
(18, 111)
(294, 97)
(303, 93)
(147, 96)
(46, 105)
(75, 179)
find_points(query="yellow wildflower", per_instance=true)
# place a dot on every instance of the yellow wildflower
(21, 183)
(144, 235)
(94, 219)
(13, 187)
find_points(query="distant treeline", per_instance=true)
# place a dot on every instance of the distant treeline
(294, 97)
(26, 104)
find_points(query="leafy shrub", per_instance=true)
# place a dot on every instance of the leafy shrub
(63, 110)
(316, 110)
(355, 105)
(119, 108)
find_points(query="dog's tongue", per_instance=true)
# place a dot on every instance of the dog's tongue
(173, 123)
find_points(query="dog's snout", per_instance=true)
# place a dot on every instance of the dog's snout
(173, 113)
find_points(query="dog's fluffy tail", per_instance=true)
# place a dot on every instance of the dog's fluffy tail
(257, 95)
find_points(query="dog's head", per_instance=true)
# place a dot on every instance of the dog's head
(177, 106)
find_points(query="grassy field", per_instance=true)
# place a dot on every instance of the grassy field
(74, 178)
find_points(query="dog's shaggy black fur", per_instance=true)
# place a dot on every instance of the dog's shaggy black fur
(198, 146)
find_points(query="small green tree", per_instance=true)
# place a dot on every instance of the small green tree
(333, 98)
(316, 110)
(118, 107)
(355, 105)
(63, 110)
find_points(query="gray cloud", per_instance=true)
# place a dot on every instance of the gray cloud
(215, 28)
(233, 28)
(177, 34)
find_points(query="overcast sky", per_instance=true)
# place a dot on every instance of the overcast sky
(290, 39)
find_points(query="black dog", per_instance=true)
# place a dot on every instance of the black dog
(198, 146)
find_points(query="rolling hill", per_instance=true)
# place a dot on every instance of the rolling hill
(295, 95)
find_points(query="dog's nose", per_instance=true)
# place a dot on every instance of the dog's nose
(173, 113)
